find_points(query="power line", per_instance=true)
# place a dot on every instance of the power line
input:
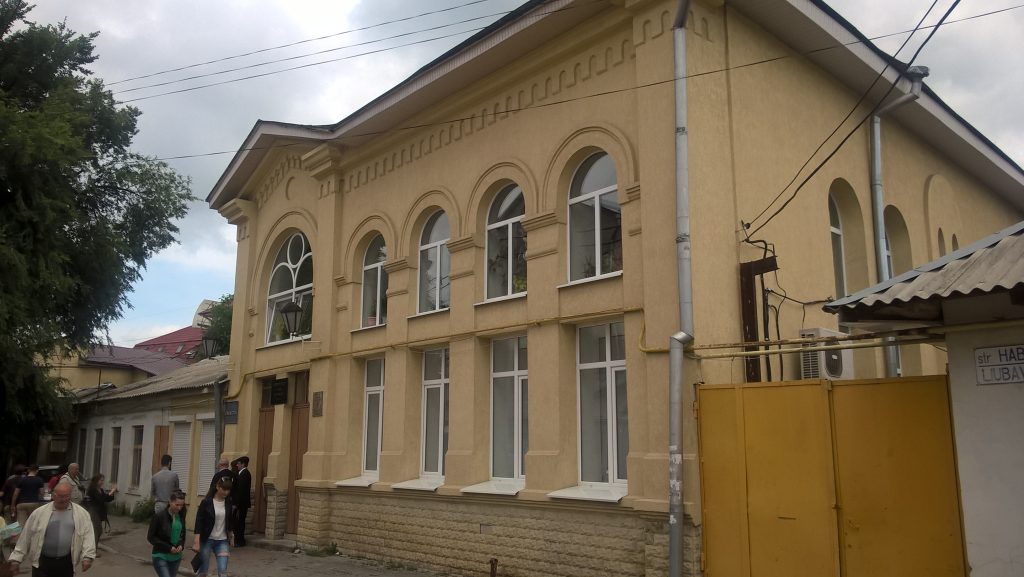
(605, 93)
(849, 114)
(859, 124)
(325, 51)
(290, 44)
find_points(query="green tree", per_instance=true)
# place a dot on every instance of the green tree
(220, 323)
(79, 214)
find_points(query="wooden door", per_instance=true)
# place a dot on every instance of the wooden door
(161, 442)
(264, 444)
(299, 440)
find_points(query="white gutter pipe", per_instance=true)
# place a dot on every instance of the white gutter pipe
(916, 74)
(678, 341)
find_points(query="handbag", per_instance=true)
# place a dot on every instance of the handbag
(197, 561)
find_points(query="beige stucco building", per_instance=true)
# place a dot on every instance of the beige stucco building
(485, 262)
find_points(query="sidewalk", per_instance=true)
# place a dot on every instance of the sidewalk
(129, 539)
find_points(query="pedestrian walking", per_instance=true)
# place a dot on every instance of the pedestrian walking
(223, 470)
(242, 499)
(96, 499)
(213, 531)
(164, 482)
(167, 535)
(56, 478)
(28, 495)
(7, 504)
(56, 538)
(74, 478)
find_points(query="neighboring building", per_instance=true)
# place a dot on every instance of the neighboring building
(974, 297)
(111, 364)
(484, 263)
(184, 343)
(123, 431)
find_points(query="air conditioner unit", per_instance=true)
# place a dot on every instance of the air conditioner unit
(833, 364)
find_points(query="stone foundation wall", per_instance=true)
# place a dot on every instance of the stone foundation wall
(459, 535)
(277, 512)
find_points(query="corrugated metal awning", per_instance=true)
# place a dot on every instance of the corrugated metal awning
(204, 373)
(993, 264)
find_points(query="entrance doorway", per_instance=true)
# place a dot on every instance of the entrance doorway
(299, 441)
(264, 444)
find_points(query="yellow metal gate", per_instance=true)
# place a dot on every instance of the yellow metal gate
(819, 478)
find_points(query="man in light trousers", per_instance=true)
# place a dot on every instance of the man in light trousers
(57, 538)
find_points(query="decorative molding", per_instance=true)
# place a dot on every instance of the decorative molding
(539, 221)
(635, 231)
(530, 93)
(252, 311)
(460, 274)
(340, 280)
(396, 292)
(342, 307)
(276, 177)
(633, 191)
(654, 26)
(239, 212)
(461, 244)
(322, 160)
(532, 254)
(396, 265)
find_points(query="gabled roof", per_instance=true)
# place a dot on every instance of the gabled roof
(202, 374)
(810, 27)
(150, 362)
(993, 264)
(185, 335)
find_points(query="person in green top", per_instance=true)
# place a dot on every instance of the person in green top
(167, 535)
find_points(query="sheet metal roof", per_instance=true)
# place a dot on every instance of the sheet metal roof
(150, 362)
(993, 264)
(204, 373)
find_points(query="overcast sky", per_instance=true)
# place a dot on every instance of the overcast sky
(977, 66)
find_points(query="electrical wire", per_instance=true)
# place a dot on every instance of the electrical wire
(296, 43)
(859, 124)
(538, 106)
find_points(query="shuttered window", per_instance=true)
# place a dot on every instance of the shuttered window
(180, 453)
(207, 457)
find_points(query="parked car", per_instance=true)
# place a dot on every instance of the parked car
(46, 472)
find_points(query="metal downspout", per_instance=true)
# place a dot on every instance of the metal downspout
(916, 75)
(678, 341)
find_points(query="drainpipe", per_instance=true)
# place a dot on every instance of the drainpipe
(218, 417)
(678, 341)
(916, 74)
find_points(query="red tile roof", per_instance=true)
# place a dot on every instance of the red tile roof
(182, 343)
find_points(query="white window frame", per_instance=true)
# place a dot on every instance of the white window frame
(521, 379)
(368, 391)
(376, 268)
(442, 384)
(836, 234)
(436, 247)
(596, 196)
(97, 452)
(136, 473)
(611, 367)
(508, 225)
(294, 294)
(115, 453)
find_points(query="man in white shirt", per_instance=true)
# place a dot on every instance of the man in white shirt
(57, 538)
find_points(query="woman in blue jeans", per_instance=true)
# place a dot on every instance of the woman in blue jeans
(167, 535)
(213, 527)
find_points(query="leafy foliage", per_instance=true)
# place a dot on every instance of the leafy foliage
(220, 323)
(79, 213)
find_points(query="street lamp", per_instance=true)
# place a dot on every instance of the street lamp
(291, 312)
(209, 347)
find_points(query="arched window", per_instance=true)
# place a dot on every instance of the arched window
(291, 280)
(595, 220)
(942, 243)
(375, 284)
(506, 244)
(955, 243)
(838, 258)
(435, 287)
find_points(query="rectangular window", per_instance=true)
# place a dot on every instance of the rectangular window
(82, 437)
(603, 411)
(373, 415)
(115, 454)
(136, 455)
(435, 411)
(97, 453)
(509, 412)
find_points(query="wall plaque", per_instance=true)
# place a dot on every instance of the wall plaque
(318, 404)
(279, 392)
(230, 412)
(1000, 365)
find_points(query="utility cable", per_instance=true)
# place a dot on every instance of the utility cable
(849, 114)
(874, 109)
(296, 43)
(565, 101)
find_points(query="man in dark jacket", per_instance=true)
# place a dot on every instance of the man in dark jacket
(242, 499)
(223, 470)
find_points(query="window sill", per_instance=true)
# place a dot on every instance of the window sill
(597, 492)
(505, 298)
(591, 279)
(497, 487)
(361, 329)
(286, 342)
(428, 313)
(360, 481)
(420, 484)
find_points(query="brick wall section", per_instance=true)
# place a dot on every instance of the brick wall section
(277, 512)
(458, 535)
